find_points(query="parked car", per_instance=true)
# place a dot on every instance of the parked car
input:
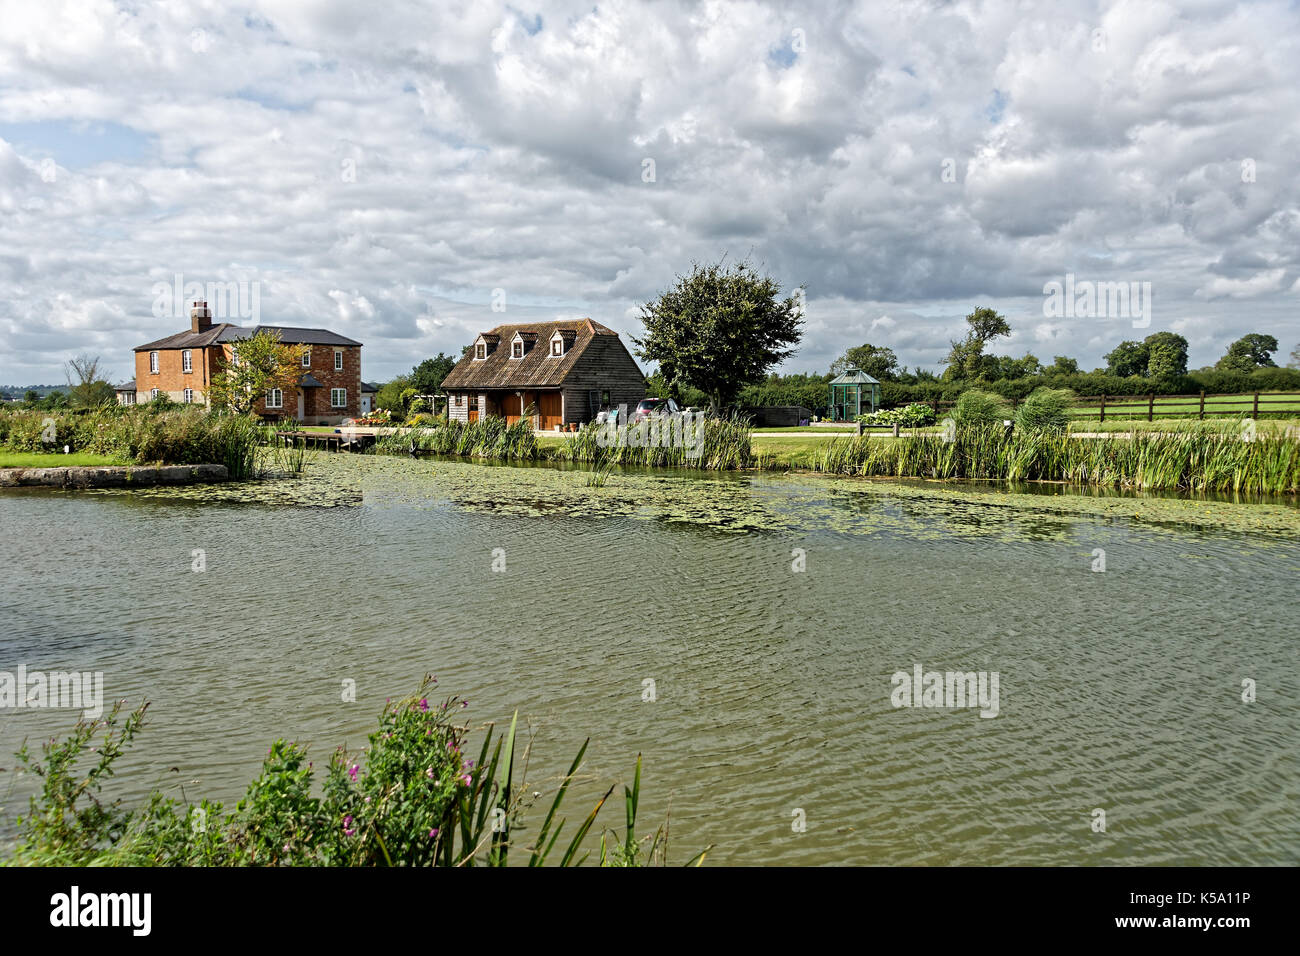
(648, 407)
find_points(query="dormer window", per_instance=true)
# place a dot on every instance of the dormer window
(517, 349)
(480, 352)
(557, 346)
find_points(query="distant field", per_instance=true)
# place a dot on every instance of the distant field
(11, 459)
(1271, 403)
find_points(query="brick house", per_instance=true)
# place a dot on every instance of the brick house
(565, 371)
(182, 367)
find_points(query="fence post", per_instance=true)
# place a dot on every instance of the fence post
(1256, 415)
(935, 403)
(895, 429)
(1151, 407)
(858, 430)
(1202, 413)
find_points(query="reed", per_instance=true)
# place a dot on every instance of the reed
(715, 444)
(1203, 459)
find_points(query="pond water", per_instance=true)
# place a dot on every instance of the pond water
(1118, 690)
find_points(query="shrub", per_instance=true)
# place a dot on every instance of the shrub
(976, 407)
(413, 797)
(912, 416)
(1045, 408)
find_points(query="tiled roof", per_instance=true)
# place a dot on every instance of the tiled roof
(225, 332)
(538, 368)
(126, 386)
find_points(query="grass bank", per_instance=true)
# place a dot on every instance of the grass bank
(10, 459)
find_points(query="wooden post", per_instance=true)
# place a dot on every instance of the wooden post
(1256, 415)
(858, 430)
(1103, 406)
(1151, 407)
(1202, 412)
(895, 429)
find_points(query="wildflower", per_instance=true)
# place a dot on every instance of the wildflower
(348, 829)
(466, 780)
(433, 833)
(424, 703)
(429, 773)
(352, 772)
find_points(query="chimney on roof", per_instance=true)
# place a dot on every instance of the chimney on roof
(200, 317)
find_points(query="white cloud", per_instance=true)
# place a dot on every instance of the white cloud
(380, 169)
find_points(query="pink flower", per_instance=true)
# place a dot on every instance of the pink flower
(433, 833)
(352, 772)
(466, 780)
(424, 703)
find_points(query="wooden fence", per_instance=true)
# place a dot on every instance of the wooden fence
(1150, 406)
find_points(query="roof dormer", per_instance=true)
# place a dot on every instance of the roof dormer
(485, 345)
(561, 341)
(522, 344)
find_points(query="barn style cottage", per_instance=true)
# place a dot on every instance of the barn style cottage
(182, 367)
(559, 373)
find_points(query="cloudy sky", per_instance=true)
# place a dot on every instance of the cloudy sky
(381, 168)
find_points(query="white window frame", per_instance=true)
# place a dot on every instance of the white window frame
(153, 362)
(557, 346)
(516, 344)
(188, 396)
(337, 404)
(480, 351)
(275, 398)
(187, 360)
(306, 359)
(338, 361)
(153, 393)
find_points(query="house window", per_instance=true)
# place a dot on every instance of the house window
(153, 392)
(480, 352)
(275, 398)
(557, 346)
(338, 360)
(187, 361)
(189, 395)
(153, 362)
(516, 349)
(306, 359)
(604, 397)
(339, 397)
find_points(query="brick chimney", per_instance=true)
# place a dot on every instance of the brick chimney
(200, 317)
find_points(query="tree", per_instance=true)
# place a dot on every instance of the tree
(1166, 355)
(426, 378)
(1064, 366)
(257, 364)
(877, 361)
(389, 397)
(1126, 359)
(1295, 358)
(1249, 353)
(720, 329)
(31, 398)
(966, 358)
(87, 387)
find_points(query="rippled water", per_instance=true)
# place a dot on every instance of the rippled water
(1118, 690)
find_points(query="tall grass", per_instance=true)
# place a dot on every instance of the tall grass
(184, 436)
(718, 445)
(488, 438)
(1203, 459)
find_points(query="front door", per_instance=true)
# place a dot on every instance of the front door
(548, 409)
(302, 402)
(473, 408)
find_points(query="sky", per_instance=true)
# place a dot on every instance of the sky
(409, 174)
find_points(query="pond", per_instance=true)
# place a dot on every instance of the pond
(766, 617)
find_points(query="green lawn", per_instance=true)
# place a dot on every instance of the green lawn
(23, 459)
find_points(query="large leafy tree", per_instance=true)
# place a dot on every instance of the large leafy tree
(877, 361)
(427, 377)
(966, 359)
(1295, 358)
(256, 365)
(1166, 355)
(719, 329)
(1249, 353)
(1126, 359)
